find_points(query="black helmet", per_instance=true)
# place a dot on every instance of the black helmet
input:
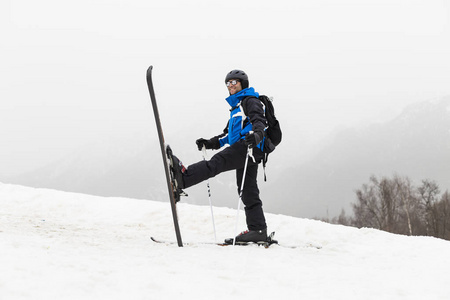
(240, 75)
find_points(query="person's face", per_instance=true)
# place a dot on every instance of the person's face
(234, 86)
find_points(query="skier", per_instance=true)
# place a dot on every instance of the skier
(245, 130)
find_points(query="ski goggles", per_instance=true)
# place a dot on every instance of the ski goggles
(232, 82)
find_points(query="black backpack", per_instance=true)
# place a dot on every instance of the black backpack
(273, 132)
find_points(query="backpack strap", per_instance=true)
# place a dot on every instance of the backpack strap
(243, 105)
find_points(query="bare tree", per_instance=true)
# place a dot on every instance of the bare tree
(443, 208)
(429, 191)
(395, 205)
(377, 206)
(406, 198)
(342, 219)
(366, 210)
(388, 204)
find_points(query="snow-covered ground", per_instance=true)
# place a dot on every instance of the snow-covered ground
(57, 245)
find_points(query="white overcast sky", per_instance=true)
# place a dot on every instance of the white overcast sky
(74, 71)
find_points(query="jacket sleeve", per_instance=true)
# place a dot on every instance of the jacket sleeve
(254, 109)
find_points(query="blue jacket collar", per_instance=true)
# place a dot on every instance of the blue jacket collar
(233, 100)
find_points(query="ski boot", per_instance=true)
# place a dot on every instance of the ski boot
(249, 236)
(258, 237)
(176, 170)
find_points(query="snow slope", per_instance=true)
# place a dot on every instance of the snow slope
(57, 245)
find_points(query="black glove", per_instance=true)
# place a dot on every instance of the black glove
(209, 144)
(253, 138)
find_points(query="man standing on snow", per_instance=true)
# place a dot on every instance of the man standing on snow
(245, 129)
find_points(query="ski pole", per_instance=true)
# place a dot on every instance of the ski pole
(209, 196)
(249, 150)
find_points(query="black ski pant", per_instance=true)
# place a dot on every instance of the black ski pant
(233, 158)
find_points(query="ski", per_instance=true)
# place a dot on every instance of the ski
(266, 244)
(186, 243)
(174, 193)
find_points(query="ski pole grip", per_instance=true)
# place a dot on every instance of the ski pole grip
(250, 153)
(250, 149)
(204, 151)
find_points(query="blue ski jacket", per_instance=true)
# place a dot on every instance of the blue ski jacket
(245, 116)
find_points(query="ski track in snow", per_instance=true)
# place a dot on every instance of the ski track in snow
(58, 245)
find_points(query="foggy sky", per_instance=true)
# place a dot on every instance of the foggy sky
(72, 73)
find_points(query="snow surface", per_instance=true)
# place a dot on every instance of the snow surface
(58, 245)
